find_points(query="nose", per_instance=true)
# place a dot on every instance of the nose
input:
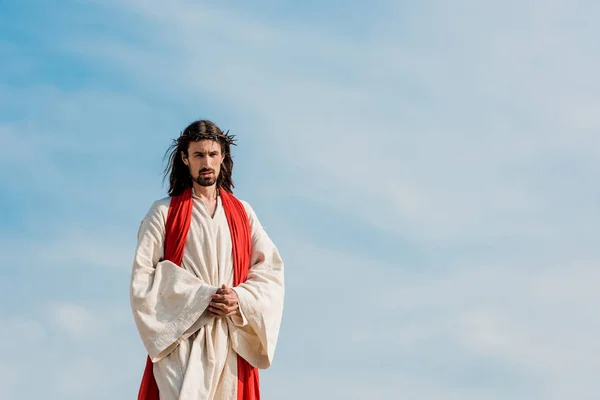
(206, 163)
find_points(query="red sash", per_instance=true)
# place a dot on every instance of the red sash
(176, 228)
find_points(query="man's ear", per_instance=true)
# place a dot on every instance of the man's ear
(184, 158)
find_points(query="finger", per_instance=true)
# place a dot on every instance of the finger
(216, 311)
(226, 300)
(227, 305)
(224, 296)
(215, 308)
(227, 308)
(232, 312)
(232, 308)
(224, 287)
(221, 306)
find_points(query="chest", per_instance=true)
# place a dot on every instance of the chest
(211, 207)
(209, 238)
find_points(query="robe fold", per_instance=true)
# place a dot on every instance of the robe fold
(193, 355)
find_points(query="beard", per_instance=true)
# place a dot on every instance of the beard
(205, 180)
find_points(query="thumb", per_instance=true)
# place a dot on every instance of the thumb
(224, 287)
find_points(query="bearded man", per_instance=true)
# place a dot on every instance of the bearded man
(207, 283)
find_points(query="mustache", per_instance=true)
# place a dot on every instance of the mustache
(206, 170)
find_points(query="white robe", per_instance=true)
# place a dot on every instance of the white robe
(194, 354)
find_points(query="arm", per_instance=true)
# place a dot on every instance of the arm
(260, 299)
(168, 301)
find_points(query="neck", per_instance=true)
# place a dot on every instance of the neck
(205, 192)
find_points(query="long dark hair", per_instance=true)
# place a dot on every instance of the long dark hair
(179, 173)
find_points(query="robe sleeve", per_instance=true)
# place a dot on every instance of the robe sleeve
(168, 302)
(260, 299)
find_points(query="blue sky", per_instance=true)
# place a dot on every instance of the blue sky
(429, 173)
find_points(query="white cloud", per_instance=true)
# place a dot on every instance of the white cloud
(463, 128)
(74, 320)
(459, 130)
(73, 248)
(8, 381)
(534, 324)
(71, 350)
(357, 387)
(81, 378)
(22, 328)
(86, 248)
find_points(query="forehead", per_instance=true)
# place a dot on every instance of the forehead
(204, 146)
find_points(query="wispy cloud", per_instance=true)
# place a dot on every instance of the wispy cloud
(428, 172)
(467, 129)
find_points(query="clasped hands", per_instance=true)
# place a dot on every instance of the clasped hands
(224, 303)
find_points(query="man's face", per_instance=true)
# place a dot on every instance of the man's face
(204, 161)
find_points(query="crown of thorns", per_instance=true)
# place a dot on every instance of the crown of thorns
(222, 137)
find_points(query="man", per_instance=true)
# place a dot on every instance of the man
(207, 283)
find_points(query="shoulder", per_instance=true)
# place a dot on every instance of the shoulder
(252, 217)
(155, 219)
(159, 209)
(248, 208)
(255, 225)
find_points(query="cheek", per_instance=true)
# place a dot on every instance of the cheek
(195, 165)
